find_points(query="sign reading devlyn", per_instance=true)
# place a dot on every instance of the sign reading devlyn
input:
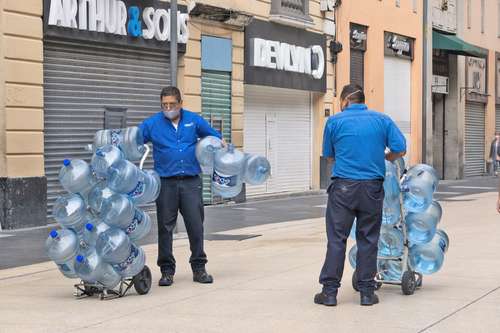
(284, 57)
(144, 23)
(398, 45)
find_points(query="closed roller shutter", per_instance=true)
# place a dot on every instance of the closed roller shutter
(358, 67)
(80, 80)
(216, 109)
(277, 124)
(497, 118)
(474, 139)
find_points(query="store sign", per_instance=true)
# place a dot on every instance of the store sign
(286, 57)
(476, 78)
(359, 36)
(327, 5)
(440, 84)
(398, 45)
(145, 23)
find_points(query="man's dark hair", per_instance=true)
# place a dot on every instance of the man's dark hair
(354, 92)
(171, 91)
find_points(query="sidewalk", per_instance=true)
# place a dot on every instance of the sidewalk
(267, 284)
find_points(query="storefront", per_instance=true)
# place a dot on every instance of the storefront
(284, 67)
(475, 116)
(104, 67)
(398, 57)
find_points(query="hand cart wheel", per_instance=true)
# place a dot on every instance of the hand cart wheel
(378, 284)
(142, 281)
(408, 283)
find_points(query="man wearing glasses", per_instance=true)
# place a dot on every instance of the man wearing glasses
(174, 133)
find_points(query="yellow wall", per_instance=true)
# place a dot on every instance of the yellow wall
(21, 95)
(381, 16)
(488, 40)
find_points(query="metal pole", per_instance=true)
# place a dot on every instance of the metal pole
(173, 42)
(426, 86)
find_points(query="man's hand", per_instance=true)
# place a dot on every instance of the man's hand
(391, 157)
(224, 143)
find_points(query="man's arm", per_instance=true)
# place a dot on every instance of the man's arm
(395, 141)
(328, 148)
(391, 157)
(146, 135)
(204, 129)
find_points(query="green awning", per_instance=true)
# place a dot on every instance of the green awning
(455, 45)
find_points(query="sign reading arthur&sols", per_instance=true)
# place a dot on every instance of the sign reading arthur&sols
(144, 23)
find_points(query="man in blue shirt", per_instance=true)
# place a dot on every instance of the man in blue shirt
(174, 133)
(356, 139)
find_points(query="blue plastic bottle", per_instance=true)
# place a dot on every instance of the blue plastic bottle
(391, 242)
(76, 176)
(103, 158)
(129, 140)
(98, 195)
(139, 227)
(113, 245)
(70, 211)
(391, 212)
(353, 252)
(91, 268)
(418, 188)
(441, 240)
(426, 258)
(390, 270)
(141, 186)
(205, 153)
(257, 169)
(117, 211)
(228, 169)
(133, 264)
(62, 247)
(421, 227)
(391, 182)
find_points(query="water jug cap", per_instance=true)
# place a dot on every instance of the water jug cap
(54, 234)
(89, 226)
(230, 148)
(66, 162)
(99, 152)
(79, 258)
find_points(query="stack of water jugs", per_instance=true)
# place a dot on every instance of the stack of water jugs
(99, 217)
(427, 244)
(229, 167)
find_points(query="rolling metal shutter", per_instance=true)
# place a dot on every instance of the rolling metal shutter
(497, 118)
(474, 139)
(216, 109)
(80, 81)
(358, 67)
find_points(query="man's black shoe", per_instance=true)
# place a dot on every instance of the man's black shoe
(325, 299)
(166, 280)
(202, 277)
(369, 299)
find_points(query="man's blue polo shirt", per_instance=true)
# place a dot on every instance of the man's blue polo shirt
(174, 150)
(357, 138)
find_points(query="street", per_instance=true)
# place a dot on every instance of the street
(265, 257)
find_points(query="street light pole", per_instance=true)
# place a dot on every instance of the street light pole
(173, 42)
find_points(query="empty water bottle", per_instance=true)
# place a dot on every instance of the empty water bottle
(117, 211)
(391, 212)
(205, 153)
(153, 186)
(98, 195)
(62, 247)
(352, 234)
(141, 186)
(76, 176)
(91, 268)
(418, 188)
(129, 140)
(353, 252)
(441, 239)
(257, 170)
(400, 163)
(103, 158)
(133, 264)
(71, 212)
(391, 182)
(90, 234)
(426, 258)
(391, 242)
(390, 270)
(113, 245)
(421, 227)
(139, 227)
(228, 168)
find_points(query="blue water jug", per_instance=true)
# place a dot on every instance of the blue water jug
(257, 169)
(418, 187)
(205, 153)
(391, 242)
(103, 158)
(90, 234)
(426, 258)
(228, 169)
(142, 187)
(133, 264)
(421, 227)
(441, 240)
(98, 195)
(150, 191)
(76, 176)
(130, 141)
(391, 182)
(62, 247)
(139, 227)
(391, 212)
(352, 234)
(70, 211)
(353, 252)
(113, 245)
(91, 268)
(390, 270)
(117, 211)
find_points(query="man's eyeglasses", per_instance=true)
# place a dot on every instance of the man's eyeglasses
(169, 106)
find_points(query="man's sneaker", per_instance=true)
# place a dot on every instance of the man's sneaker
(166, 280)
(368, 299)
(202, 277)
(325, 299)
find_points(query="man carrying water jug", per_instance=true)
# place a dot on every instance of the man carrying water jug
(174, 133)
(356, 139)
